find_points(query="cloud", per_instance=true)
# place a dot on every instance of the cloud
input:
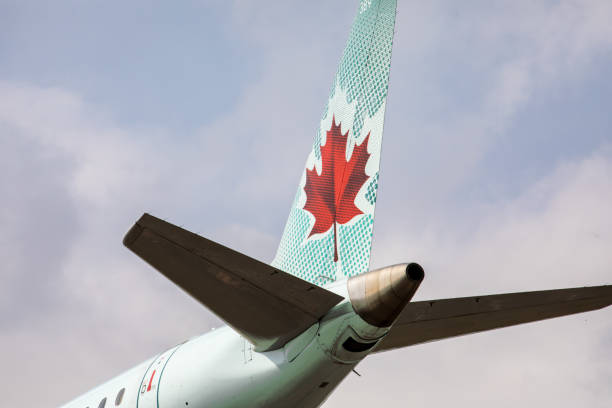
(36, 209)
(74, 179)
(73, 183)
(555, 234)
(462, 77)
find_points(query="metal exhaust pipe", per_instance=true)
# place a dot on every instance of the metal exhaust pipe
(379, 296)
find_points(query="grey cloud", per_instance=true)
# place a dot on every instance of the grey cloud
(98, 174)
(39, 226)
(554, 235)
(72, 185)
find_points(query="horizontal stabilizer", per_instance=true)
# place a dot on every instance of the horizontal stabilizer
(421, 322)
(267, 306)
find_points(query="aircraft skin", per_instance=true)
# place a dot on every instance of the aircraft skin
(297, 328)
(221, 369)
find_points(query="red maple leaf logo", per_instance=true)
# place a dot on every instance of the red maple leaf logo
(330, 196)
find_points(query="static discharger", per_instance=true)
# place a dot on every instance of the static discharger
(379, 296)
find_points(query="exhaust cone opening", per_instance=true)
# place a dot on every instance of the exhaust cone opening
(415, 272)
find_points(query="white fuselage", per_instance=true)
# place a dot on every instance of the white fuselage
(221, 369)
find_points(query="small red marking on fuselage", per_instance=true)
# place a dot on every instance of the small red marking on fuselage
(151, 381)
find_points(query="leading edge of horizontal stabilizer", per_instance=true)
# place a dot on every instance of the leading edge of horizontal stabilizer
(265, 305)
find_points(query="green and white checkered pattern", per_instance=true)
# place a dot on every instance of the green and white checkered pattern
(357, 101)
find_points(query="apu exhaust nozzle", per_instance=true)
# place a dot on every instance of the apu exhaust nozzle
(379, 296)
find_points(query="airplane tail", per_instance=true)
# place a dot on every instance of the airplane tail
(328, 235)
(329, 232)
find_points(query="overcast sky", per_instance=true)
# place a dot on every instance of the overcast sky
(496, 176)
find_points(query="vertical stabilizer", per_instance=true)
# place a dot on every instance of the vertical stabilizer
(328, 235)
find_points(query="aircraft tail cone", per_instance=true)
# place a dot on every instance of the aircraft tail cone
(379, 296)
